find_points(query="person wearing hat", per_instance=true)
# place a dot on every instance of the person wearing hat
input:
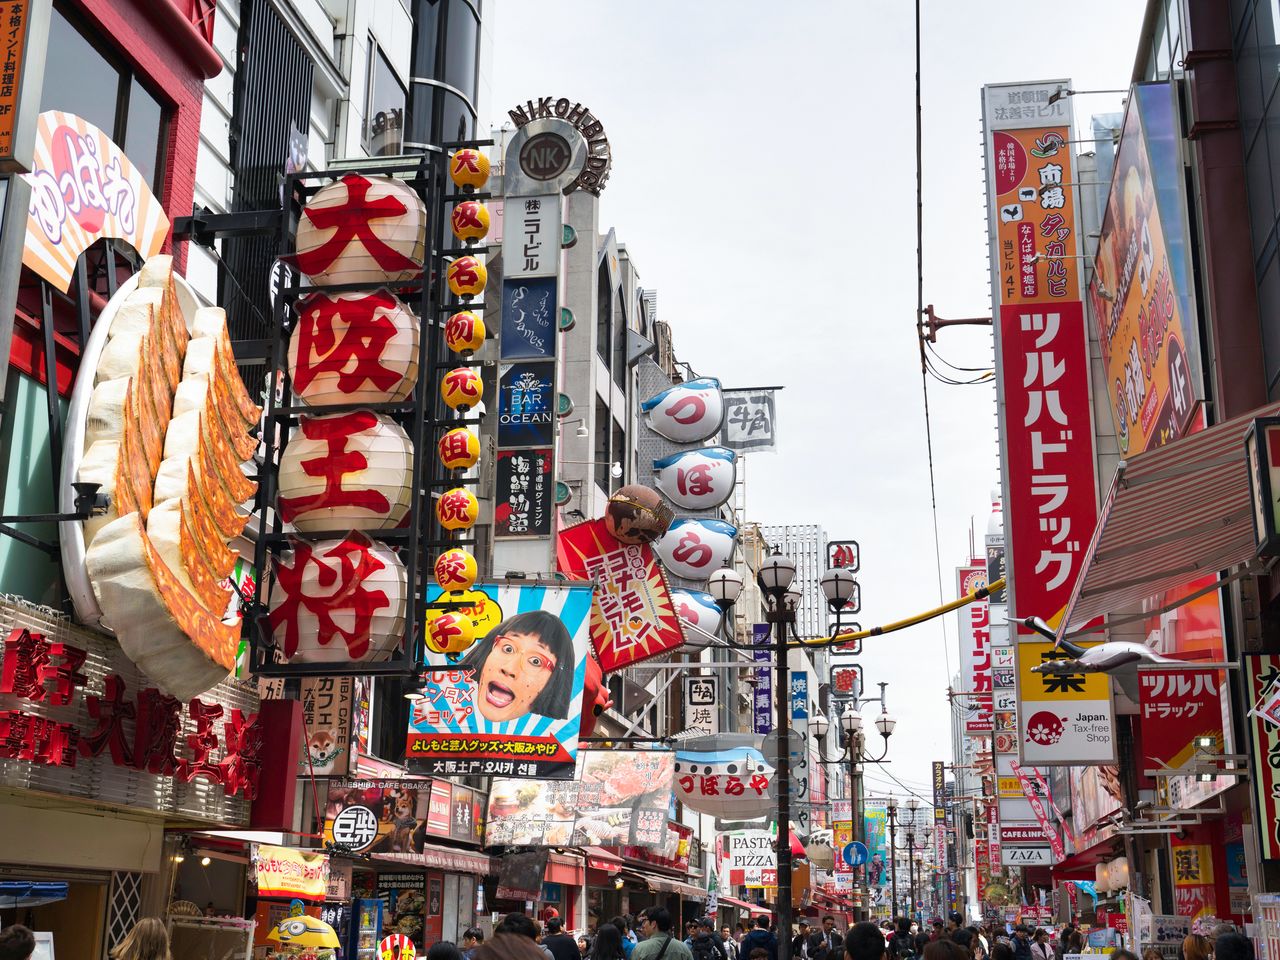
(800, 942)
(706, 945)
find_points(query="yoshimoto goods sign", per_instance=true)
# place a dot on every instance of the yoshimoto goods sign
(975, 652)
(1063, 718)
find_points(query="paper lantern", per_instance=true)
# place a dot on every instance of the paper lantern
(636, 514)
(464, 332)
(694, 549)
(362, 230)
(699, 609)
(467, 277)
(449, 633)
(338, 601)
(468, 168)
(353, 348)
(726, 776)
(688, 412)
(349, 471)
(459, 449)
(469, 220)
(455, 570)
(462, 388)
(457, 509)
(697, 479)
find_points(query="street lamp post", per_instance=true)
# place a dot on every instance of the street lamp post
(893, 856)
(912, 805)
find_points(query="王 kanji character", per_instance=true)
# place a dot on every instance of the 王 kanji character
(352, 222)
(357, 357)
(202, 743)
(110, 710)
(333, 465)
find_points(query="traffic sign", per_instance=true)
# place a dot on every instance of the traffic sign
(856, 854)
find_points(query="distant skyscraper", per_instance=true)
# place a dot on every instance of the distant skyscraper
(806, 545)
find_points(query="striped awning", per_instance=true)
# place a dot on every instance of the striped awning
(1173, 514)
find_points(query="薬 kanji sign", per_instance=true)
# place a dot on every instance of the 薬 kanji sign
(1063, 718)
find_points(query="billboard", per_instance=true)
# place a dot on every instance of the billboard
(616, 798)
(393, 818)
(1140, 290)
(975, 651)
(1063, 718)
(1177, 707)
(512, 706)
(875, 818)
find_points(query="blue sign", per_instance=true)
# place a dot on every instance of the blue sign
(528, 319)
(800, 696)
(762, 699)
(526, 404)
(855, 854)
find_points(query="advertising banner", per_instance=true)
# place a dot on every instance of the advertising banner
(615, 798)
(701, 704)
(1261, 672)
(762, 698)
(1195, 894)
(290, 873)
(109, 197)
(1062, 718)
(749, 421)
(1176, 707)
(512, 706)
(751, 858)
(327, 703)
(1139, 291)
(841, 837)
(1042, 815)
(522, 503)
(875, 820)
(939, 790)
(526, 404)
(975, 652)
(1050, 499)
(529, 322)
(633, 617)
(394, 817)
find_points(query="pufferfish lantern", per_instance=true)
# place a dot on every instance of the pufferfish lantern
(726, 775)
(305, 938)
(636, 514)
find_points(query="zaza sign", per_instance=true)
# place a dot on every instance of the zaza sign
(562, 140)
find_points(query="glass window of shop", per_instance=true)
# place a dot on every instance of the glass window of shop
(445, 57)
(384, 116)
(94, 83)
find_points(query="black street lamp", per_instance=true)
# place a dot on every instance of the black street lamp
(912, 805)
(893, 857)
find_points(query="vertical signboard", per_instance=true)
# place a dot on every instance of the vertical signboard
(522, 502)
(14, 17)
(802, 772)
(975, 652)
(701, 696)
(939, 791)
(762, 699)
(1261, 673)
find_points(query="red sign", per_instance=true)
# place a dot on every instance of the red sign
(1021, 834)
(1261, 673)
(975, 652)
(632, 615)
(1176, 707)
(439, 811)
(1052, 502)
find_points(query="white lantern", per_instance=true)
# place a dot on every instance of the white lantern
(347, 471)
(694, 549)
(338, 601)
(697, 479)
(699, 609)
(688, 412)
(720, 776)
(353, 348)
(362, 230)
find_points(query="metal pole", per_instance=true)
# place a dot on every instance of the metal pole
(783, 722)
(893, 863)
(911, 868)
(855, 810)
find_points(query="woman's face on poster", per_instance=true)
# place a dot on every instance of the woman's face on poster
(518, 668)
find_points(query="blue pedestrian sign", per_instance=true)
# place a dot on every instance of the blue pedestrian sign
(856, 854)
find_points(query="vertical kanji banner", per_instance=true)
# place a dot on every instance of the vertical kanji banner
(975, 652)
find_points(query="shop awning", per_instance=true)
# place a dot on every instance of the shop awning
(1081, 864)
(442, 858)
(599, 858)
(1172, 514)
(667, 885)
(740, 904)
(30, 893)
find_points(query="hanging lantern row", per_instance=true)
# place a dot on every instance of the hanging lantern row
(342, 597)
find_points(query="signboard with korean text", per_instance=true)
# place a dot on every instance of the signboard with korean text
(750, 423)
(512, 705)
(526, 404)
(617, 797)
(1140, 287)
(1062, 718)
(701, 704)
(530, 241)
(633, 617)
(1177, 707)
(529, 319)
(524, 492)
(111, 198)
(1261, 673)
(975, 652)
(327, 703)
(1051, 502)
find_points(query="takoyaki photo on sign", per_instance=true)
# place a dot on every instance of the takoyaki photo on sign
(510, 704)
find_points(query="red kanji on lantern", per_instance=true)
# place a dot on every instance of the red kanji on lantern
(456, 505)
(356, 357)
(31, 661)
(352, 222)
(332, 466)
(24, 736)
(240, 764)
(467, 214)
(462, 382)
(202, 743)
(110, 710)
(330, 586)
(156, 732)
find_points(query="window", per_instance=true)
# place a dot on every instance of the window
(384, 116)
(462, 32)
(84, 80)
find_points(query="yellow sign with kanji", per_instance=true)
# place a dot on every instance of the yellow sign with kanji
(1056, 686)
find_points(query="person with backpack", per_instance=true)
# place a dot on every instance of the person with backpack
(761, 937)
(658, 943)
(706, 945)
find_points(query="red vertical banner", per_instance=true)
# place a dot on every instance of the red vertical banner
(1261, 673)
(1051, 501)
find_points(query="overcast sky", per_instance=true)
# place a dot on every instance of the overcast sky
(764, 183)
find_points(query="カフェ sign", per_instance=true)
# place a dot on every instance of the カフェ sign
(547, 154)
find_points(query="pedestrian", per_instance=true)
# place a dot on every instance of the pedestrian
(800, 942)
(17, 943)
(623, 925)
(509, 946)
(608, 944)
(520, 925)
(1001, 950)
(584, 945)
(444, 950)
(864, 942)
(816, 947)
(761, 937)
(1022, 943)
(945, 949)
(706, 945)
(730, 944)
(1151, 953)
(1232, 946)
(472, 937)
(148, 940)
(1122, 954)
(561, 945)
(1040, 949)
(1075, 941)
(659, 942)
(831, 936)
(1195, 947)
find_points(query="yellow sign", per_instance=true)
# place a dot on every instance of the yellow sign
(285, 872)
(1010, 787)
(1048, 686)
(1192, 865)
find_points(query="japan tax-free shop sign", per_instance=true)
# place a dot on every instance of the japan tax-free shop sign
(511, 705)
(1062, 718)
